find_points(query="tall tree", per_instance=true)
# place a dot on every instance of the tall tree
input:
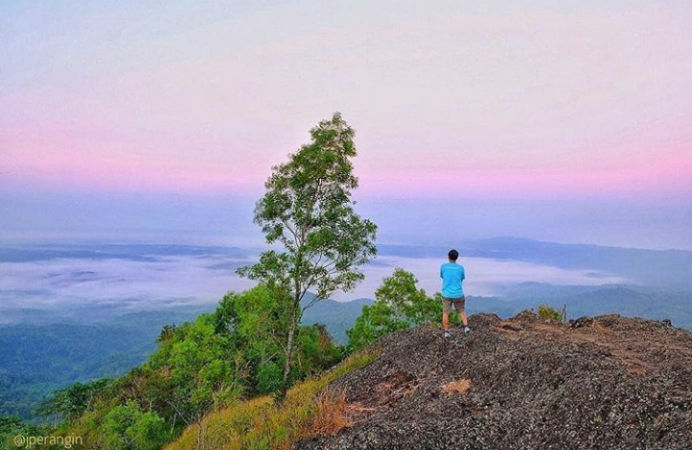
(308, 209)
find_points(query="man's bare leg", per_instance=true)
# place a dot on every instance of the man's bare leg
(445, 321)
(464, 319)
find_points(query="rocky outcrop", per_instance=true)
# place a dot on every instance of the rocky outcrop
(603, 382)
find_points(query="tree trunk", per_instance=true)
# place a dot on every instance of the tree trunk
(200, 434)
(175, 416)
(289, 350)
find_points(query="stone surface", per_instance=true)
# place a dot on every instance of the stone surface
(608, 382)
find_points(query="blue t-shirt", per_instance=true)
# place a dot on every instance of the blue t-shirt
(452, 275)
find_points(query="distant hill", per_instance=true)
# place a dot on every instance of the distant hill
(337, 316)
(35, 360)
(670, 269)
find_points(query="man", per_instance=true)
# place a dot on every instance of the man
(452, 275)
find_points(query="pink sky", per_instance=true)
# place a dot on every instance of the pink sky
(592, 97)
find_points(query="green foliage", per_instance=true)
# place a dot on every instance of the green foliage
(549, 313)
(399, 304)
(375, 321)
(191, 371)
(408, 303)
(10, 426)
(315, 351)
(9, 423)
(199, 366)
(13, 426)
(257, 324)
(72, 401)
(307, 208)
(126, 427)
(269, 378)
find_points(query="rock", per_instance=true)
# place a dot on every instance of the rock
(513, 326)
(526, 316)
(606, 382)
(581, 322)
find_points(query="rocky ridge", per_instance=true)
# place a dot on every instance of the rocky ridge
(602, 382)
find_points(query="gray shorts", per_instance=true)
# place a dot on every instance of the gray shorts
(459, 304)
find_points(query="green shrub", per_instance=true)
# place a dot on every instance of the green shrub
(127, 427)
(269, 378)
(549, 314)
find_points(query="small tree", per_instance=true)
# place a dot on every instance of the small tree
(400, 292)
(374, 322)
(308, 209)
(399, 304)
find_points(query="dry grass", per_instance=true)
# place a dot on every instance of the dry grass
(332, 413)
(225, 426)
(262, 423)
(457, 387)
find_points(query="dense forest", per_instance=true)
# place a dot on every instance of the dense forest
(39, 358)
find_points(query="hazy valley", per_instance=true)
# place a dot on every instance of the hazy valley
(78, 312)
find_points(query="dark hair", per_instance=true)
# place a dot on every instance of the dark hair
(453, 255)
